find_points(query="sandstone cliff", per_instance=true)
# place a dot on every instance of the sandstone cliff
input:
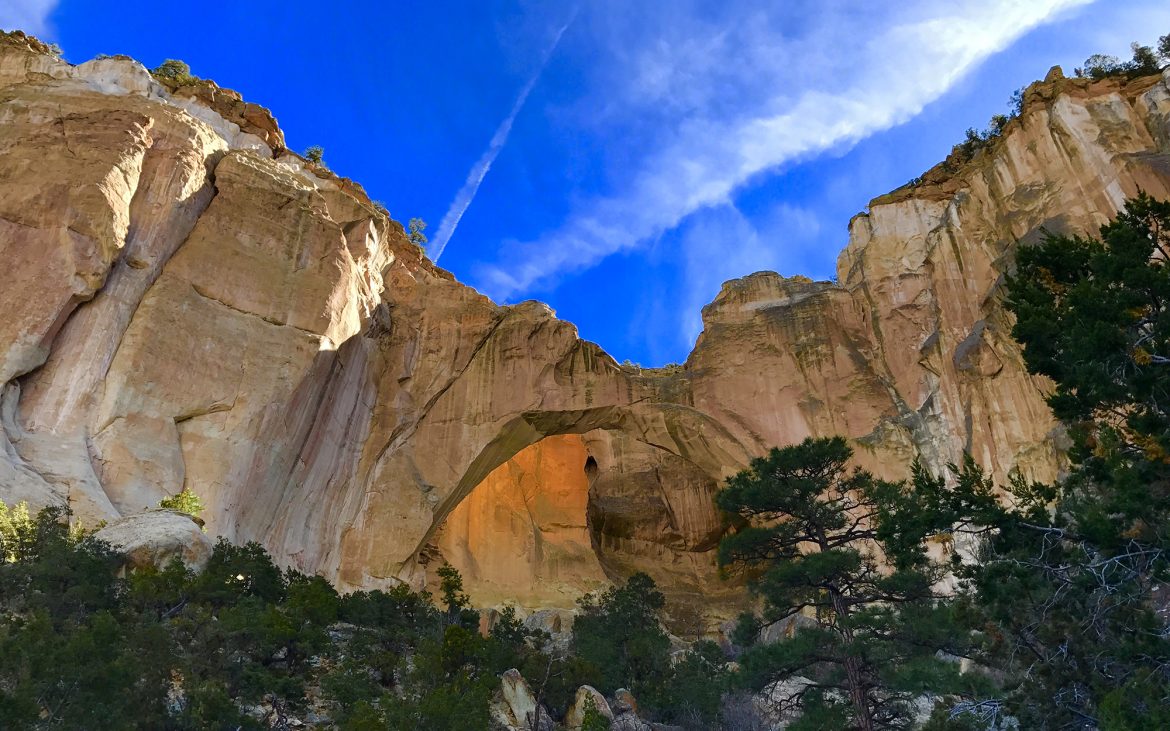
(191, 305)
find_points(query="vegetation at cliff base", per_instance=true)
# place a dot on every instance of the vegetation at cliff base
(245, 644)
(236, 646)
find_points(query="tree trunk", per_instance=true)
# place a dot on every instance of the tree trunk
(853, 675)
(535, 722)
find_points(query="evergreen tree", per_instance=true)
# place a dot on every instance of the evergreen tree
(1065, 586)
(415, 234)
(1092, 316)
(315, 154)
(457, 603)
(813, 538)
(618, 636)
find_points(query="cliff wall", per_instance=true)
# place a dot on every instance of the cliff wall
(189, 304)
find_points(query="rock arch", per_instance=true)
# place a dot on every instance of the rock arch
(563, 526)
(419, 505)
(678, 430)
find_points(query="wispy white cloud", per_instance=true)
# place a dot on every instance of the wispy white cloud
(480, 170)
(758, 92)
(30, 16)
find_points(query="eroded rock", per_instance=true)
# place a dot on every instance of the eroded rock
(515, 707)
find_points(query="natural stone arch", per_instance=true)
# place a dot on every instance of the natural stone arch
(671, 428)
(678, 430)
(458, 390)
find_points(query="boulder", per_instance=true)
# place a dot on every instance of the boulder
(625, 713)
(575, 716)
(154, 537)
(514, 708)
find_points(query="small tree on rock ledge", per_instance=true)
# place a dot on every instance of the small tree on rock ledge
(184, 502)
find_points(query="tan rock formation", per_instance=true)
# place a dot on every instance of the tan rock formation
(189, 305)
(625, 712)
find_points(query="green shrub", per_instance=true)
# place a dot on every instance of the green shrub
(315, 154)
(184, 502)
(592, 719)
(15, 531)
(415, 231)
(175, 72)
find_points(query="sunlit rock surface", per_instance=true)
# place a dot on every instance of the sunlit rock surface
(521, 536)
(190, 305)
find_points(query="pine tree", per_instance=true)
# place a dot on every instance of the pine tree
(1092, 315)
(1066, 584)
(618, 635)
(821, 540)
(415, 233)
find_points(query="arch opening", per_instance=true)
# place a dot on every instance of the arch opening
(573, 512)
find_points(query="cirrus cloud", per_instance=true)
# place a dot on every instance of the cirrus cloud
(759, 88)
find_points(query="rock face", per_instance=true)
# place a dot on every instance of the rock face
(521, 535)
(189, 305)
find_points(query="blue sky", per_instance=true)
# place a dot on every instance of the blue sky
(618, 159)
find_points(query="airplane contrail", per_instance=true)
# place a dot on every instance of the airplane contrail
(480, 170)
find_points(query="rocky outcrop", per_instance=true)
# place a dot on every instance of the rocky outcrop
(191, 306)
(625, 713)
